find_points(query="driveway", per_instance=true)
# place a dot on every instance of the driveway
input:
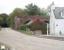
(20, 41)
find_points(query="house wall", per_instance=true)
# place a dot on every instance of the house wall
(56, 25)
(52, 27)
(52, 22)
(17, 22)
(59, 27)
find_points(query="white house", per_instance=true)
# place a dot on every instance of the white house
(56, 20)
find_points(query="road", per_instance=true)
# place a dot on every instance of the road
(20, 41)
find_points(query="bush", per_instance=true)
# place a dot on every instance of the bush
(41, 27)
(23, 27)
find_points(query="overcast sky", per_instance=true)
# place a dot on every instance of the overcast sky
(7, 6)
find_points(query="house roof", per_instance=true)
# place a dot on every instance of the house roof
(27, 18)
(37, 20)
(57, 12)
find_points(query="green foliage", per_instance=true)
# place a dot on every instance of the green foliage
(23, 27)
(9, 21)
(25, 30)
(32, 9)
(16, 12)
(4, 19)
(35, 10)
(41, 27)
(43, 12)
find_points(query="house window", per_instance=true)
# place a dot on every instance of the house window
(62, 14)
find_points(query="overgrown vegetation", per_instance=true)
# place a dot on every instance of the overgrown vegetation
(4, 21)
(30, 10)
(25, 29)
(41, 27)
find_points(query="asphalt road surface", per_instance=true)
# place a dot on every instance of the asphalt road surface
(20, 41)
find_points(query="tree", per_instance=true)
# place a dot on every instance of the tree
(44, 13)
(32, 9)
(16, 12)
(4, 20)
